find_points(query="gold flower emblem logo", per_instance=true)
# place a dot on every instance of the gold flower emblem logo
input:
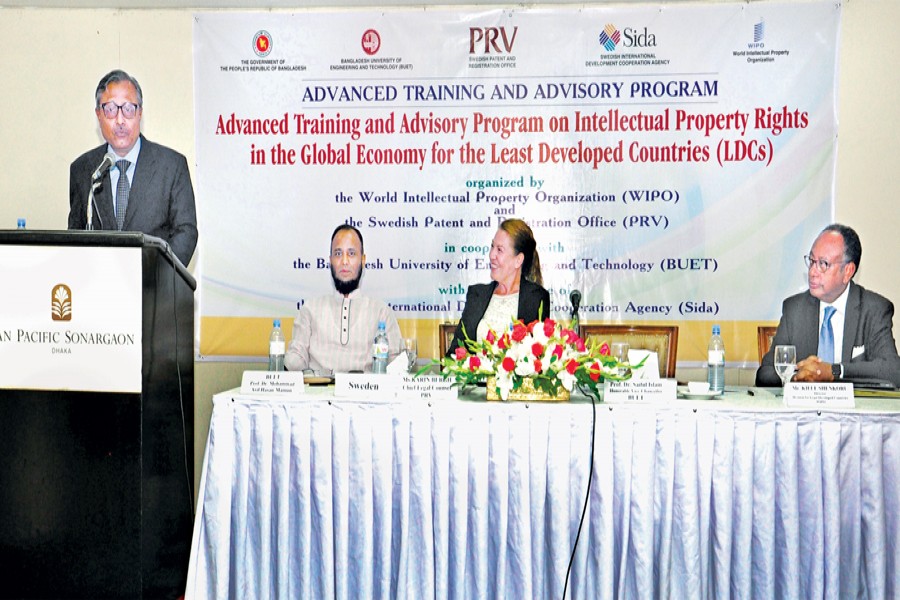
(61, 303)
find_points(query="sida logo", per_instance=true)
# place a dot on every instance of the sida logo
(371, 42)
(495, 39)
(610, 37)
(61, 303)
(262, 43)
(630, 38)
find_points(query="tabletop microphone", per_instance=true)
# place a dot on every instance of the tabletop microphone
(108, 161)
(575, 299)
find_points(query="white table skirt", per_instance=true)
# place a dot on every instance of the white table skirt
(482, 500)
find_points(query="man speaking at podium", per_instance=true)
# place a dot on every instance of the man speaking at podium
(139, 185)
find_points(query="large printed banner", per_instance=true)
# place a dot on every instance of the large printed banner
(674, 161)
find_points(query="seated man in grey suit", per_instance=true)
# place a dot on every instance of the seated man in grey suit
(146, 187)
(840, 329)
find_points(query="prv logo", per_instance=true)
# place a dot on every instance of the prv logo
(61, 303)
(495, 39)
(371, 42)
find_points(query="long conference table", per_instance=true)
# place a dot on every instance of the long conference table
(737, 497)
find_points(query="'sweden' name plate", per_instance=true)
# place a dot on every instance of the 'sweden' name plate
(372, 387)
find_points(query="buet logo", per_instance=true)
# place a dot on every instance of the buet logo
(495, 39)
(630, 38)
(610, 37)
(61, 303)
(262, 43)
(371, 42)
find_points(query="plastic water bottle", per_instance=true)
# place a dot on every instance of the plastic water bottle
(20, 223)
(276, 347)
(380, 350)
(715, 361)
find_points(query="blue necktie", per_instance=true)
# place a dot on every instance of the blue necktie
(826, 337)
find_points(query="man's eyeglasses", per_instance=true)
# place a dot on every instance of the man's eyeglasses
(821, 264)
(111, 110)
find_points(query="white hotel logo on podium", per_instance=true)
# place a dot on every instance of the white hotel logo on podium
(94, 346)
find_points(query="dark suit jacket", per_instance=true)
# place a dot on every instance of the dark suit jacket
(867, 328)
(532, 297)
(160, 203)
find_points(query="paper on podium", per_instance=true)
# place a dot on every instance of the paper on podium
(650, 368)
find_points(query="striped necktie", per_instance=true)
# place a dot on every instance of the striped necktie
(826, 337)
(122, 190)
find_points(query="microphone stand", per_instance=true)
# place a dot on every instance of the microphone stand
(90, 204)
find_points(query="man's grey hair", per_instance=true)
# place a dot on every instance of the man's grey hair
(118, 76)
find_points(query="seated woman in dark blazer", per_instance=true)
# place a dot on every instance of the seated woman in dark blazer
(514, 293)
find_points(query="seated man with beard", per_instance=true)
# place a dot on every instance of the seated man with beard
(334, 334)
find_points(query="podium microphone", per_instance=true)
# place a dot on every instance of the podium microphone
(108, 160)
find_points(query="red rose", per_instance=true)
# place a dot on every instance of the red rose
(531, 326)
(537, 366)
(461, 353)
(509, 364)
(537, 350)
(490, 337)
(557, 351)
(579, 345)
(519, 332)
(570, 336)
(549, 326)
(474, 363)
(504, 342)
(604, 349)
(571, 366)
(595, 372)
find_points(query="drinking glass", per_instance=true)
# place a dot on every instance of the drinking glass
(785, 362)
(411, 349)
(620, 352)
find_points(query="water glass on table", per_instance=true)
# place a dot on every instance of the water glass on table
(785, 362)
(411, 349)
(620, 352)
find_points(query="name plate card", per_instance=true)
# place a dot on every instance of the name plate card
(373, 387)
(819, 395)
(274, 383)
(642, 391)
(427, 387)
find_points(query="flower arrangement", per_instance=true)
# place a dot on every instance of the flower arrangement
(543, 353)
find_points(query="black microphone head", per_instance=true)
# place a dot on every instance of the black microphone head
(575, 298)
(109, 159)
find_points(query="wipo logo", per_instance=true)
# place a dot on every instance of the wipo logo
(61, 303)
(610, 37)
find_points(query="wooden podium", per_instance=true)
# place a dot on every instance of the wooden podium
(96, 416)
